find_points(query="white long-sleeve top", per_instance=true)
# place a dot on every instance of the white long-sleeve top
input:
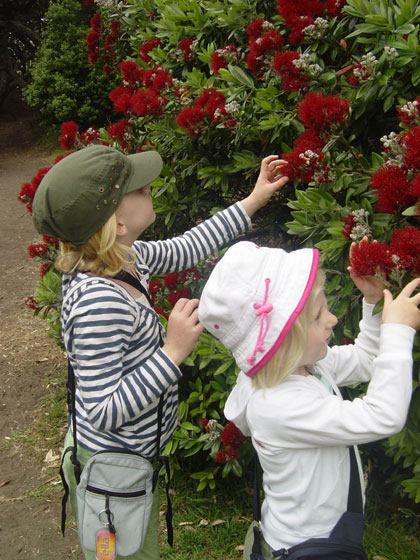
(114, 342)
(301, 430)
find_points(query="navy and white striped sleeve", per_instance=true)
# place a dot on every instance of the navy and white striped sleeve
(118, 364)
(196, 244)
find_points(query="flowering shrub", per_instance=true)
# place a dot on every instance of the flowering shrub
(333, 87)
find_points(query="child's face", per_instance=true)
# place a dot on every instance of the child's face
(319, 332)
(136, 214)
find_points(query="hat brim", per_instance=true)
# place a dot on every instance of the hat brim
(146, 167)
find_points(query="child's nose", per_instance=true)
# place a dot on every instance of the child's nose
(332, 319)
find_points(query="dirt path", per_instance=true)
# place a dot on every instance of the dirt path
(29, 364)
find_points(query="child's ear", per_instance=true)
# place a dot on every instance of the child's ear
(121, 227)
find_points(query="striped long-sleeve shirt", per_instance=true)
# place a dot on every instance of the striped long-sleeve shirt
(114, 342)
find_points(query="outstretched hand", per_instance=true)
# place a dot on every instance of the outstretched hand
(371, 287)
(269, 181)
(404, 308)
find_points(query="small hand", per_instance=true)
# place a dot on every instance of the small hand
(269, 181)
(371, 287)
(183, 330)
(403, 309)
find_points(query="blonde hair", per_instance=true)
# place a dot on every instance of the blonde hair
(290, 353)
(101, 255)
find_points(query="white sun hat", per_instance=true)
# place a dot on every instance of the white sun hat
(252, 298)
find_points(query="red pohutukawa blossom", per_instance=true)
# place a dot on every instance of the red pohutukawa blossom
(93, 38)
(45, 267)
(171, 280)
(131, 72)
(349, 223)
(221, 57)
(37, 250)
(220, 457)
(232, 436)
(392, 188)
(411, 140)
(210, 102)
(185, 47)
(414, 189)
(30, 302)
(117, 130)
(323, 111)
(50, 240)
(68, 136)
(89, 136)
(368, 256)
(298, 15)
(147, 102)
(184, 292)
(261, 48)
(292, 78)
(255, 28)
(155, 287)
(405, 244)
(146, 48)
(190, 118)
(305, 157)
(410, 112)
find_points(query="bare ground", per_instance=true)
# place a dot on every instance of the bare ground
(30, 363)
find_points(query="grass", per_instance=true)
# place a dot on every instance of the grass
(211, 525)
(391, 533)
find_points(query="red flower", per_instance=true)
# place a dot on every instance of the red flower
(68, 136)
(30, 302)
(131, 72)
(147, 47)
(161, 311)
(254, 28)
(414, 189)
(322, 111)
(220, 457)
(204, 422)
(189, 119)
(118, 130)
(155, 287)
(45, 268)
(37, 250)
(121, 97)
(305, 157)
(114, 26)
(147, 102)
(171, 280)
(184, 292)
(185, 45)
(232, 453)
(405, 243)
(190, 275)
(50, 240)
(292, 78)
(367, 256)
(232, 436)
(408, 114)
(89, 136)
(411, 140)
(349, 224)
(392, 188)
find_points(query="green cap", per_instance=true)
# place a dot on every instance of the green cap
(80, 192)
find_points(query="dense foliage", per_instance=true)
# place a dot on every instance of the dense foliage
(63, 85)
(214, 86)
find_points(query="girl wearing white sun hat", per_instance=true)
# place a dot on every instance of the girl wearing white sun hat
(268, 307)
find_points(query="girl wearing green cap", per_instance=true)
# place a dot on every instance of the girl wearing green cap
(97, 202)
